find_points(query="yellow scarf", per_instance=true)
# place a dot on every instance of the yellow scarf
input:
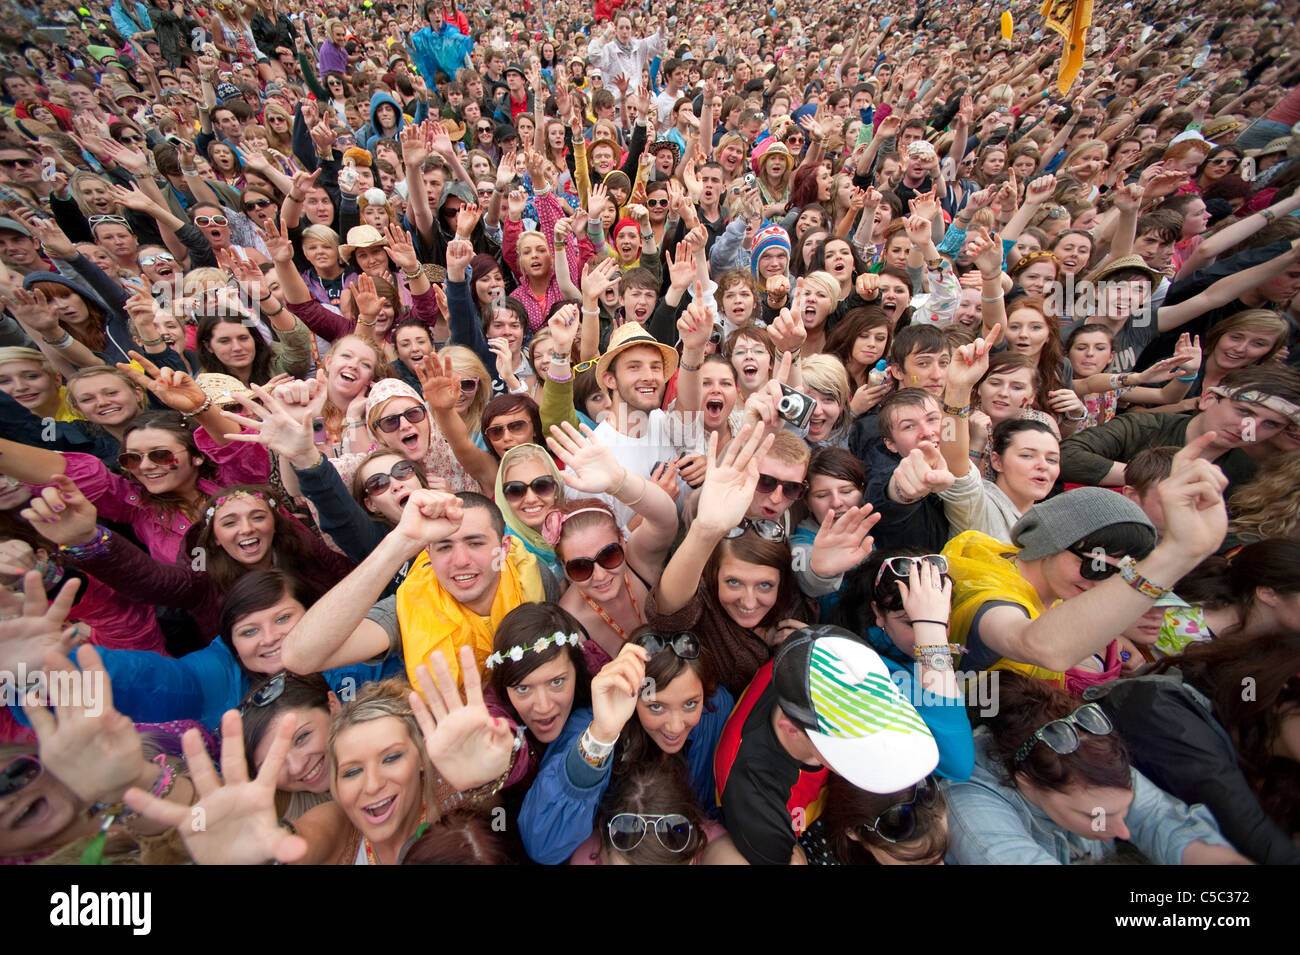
(982, 570)
(432, 619)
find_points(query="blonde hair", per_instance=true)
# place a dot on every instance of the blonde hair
(826, 374)
(79, 179)
(1261, 320)
(1269, 504)
(1001, 95)
(826, 283)
(468, 365)
(789, 449)
(321, 233)
(386, 699)
(203, 280)
(12, 353)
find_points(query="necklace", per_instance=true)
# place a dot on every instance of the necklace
(606, 617)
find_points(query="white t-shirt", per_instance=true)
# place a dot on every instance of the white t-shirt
(639, 455)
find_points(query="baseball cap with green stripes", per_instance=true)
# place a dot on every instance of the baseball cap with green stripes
(838, 690)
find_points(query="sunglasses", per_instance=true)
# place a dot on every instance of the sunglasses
(793, 490)
(516, 491)
(1223, 161)
(131, 460)
(584, 365)
(391, 422)
(768, 530)
(267, 693)
(210, 220)
(627, 829)
(484, 129)
(902, 566)
(1093, 567)
(379, 483)
(468, 386)
(96, 220)
(486, 193)
(498, 431)
(685, 644)
(18, 774)
(898, 822)
(656, 203)
(10, 163)
(258, 203)
(581, 568)
(1062, 737)
(127, 140)
(157, 257)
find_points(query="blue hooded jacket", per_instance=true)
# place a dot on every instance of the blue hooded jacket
(376, 134)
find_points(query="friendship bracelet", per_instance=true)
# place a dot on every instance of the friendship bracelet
(593, 752)
(961, 412)
(62, 343)
(681, 363)
(1189, 379)
(995, 298)
(93, 548)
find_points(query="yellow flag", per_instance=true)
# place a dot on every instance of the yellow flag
(1006, 24)
(1071, 19)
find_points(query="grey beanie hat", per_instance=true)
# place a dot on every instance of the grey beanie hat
(1052, 526)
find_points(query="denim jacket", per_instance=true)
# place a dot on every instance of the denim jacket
(991, 823)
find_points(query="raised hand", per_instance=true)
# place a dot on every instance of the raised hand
(85, 743)
(129, 159)
(868, 396)
(33, 311)
(467, 218)
(918, 230)
(927, 595)
(564, 327)
(415, 150)
(867, 285)
(439, 382)
(970, 362)
(281, 424)
(240, 824)
(843, 542)
(986, 251)
(278, 245)
(173, 388)
(590, 466)
(516, 203)
(468, 746)
(1040, 190)
(459, 254)
(730, 478)
(614, 692)
(62, 514)
(599, 278)
(1196, 519)
(46, 231)
(597, 201)
(367, 299)
(695, 327)
(429, 516)
(788, 332)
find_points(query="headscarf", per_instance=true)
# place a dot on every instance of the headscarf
(531, 539)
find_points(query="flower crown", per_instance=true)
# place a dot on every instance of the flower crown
(234, 496)
(516, 653)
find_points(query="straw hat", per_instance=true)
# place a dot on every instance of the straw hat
(630, 335)
(362, 237)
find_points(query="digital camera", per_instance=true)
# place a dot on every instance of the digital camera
(795, 407)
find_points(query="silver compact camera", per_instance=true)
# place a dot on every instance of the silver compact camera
(795, 407)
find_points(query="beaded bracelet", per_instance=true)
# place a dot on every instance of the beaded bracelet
(187, 415)
(93, 548)
(961, 412)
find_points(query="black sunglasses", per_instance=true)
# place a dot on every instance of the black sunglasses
(685, 644)
(391, 422)
(793, 490)
(378, 483)
(130, 460)
(581, 568)
(17, 162)
(1093, 566)
(258, 203)
(898, 822)
(516, 491)
(18, 774)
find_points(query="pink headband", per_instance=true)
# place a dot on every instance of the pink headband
(554, 523)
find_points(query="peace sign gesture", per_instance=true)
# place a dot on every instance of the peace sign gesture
(468, 746)
(173, 388)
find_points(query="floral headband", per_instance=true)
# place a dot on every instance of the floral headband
(553, 526)
(234, 496)
(516, 653)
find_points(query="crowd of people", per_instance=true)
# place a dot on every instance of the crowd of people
(714, 434)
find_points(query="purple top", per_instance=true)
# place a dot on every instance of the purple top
(332, 58)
